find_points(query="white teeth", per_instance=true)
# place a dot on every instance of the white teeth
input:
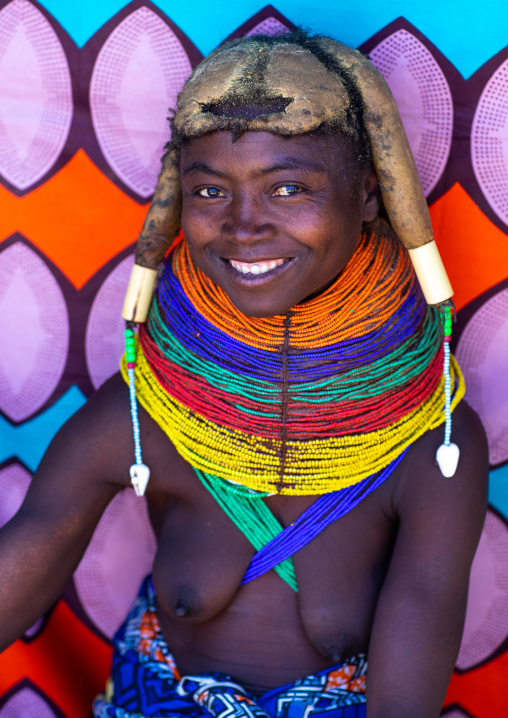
(255, 268)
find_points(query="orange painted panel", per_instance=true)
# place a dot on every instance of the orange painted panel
(482, 691)
(79, 218)
(68, 662)
(474, 250)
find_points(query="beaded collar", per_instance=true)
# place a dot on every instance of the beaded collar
(306, 403)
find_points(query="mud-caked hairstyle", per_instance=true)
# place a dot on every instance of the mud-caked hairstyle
(288, 84)
(292, 84)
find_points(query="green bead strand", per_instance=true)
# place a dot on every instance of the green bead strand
(251, 515)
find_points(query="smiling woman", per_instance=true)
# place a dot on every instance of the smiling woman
(292, 400)
(299, 203)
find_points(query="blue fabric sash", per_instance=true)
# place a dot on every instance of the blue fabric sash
(145, 682)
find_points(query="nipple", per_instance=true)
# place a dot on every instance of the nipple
(186, 602)
(182, 609)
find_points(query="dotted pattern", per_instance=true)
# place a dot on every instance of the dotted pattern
(14, 483)
(481, 352)
(117, 559)
(269, 26)
(115, 80)
(28, 704)
(104, 343)
(489, 142)
(34, 326)
(23, 169)
(97, 589)
(493, 629)
(424, 99)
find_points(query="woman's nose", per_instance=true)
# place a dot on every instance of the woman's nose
(246, 220)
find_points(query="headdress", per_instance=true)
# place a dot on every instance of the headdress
(304, 84)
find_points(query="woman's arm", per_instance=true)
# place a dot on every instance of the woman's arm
(85, 466)
(420, 614)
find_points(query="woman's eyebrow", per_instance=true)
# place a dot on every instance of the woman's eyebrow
(285, 163)
(294, 163)
(203, 167)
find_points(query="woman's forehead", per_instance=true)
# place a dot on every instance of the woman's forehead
(310, 150)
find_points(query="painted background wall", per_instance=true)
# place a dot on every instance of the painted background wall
(84, 89)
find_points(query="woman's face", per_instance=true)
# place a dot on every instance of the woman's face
(272, 220)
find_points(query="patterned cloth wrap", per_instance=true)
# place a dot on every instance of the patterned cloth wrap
(145, 682)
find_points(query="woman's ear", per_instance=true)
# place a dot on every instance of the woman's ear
(370, 197)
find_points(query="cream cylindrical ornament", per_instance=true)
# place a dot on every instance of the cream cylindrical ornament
(431, 273)
(139, 294)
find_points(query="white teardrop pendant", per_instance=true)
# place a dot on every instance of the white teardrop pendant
(140, 473)
(447, 457)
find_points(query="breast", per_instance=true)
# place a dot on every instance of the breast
(340, 576)
(202, 558)
(200, 561)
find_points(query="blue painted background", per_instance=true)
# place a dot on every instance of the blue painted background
(467, 33)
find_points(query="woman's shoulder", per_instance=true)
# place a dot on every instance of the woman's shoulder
(422, 487)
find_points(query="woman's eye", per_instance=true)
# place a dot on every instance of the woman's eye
(210, 192)
(287, 190)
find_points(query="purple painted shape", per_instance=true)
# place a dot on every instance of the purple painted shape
(34, 630)
(269, 26)
(455, 713)
(26, 703)
(14, 482)
(34, 327)
(487, 609)
(118, 557)
(35, 87)
(482, 352)
(138, 73)
(489, 142)
(104, 343)
(423, 98)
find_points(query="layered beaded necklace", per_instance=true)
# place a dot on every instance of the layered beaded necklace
(326, 397)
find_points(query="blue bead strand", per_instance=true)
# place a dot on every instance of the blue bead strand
(447, 388)
(134, 415)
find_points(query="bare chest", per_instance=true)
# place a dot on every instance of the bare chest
(202, 559)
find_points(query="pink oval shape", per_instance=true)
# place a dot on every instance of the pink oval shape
(139, 71)
(486, 626)
(104, 343)
(34, 327)
(14, 483)
(481, 352)
(489, 142)
(269, 26)
(117, 559)
(423, 98)
(26, 703)
(35, 86)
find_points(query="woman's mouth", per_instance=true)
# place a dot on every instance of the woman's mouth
(256, 268)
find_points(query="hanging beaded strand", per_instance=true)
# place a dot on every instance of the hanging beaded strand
(446, 370)
(140, 473)
(447, 455)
